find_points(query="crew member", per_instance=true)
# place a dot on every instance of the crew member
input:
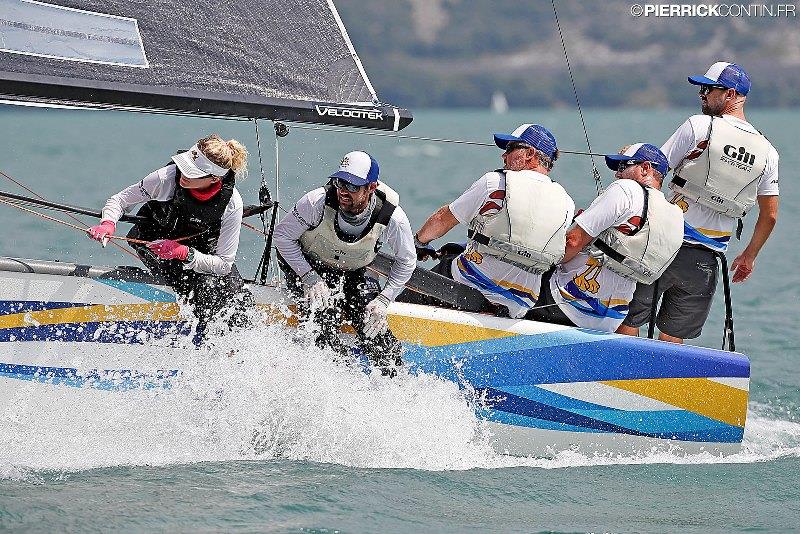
(517, 218)
(630, 233)
(324, 245)
(194, 216)
(723, 167)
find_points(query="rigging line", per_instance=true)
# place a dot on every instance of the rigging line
(84, 229)
(258, 145)
(597, 179)
(71, 216)
(420, 138)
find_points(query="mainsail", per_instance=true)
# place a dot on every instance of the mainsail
(272, 59)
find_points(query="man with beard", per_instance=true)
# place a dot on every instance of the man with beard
(723, 166)
(324, 245)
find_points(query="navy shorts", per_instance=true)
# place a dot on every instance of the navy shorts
(686, 290)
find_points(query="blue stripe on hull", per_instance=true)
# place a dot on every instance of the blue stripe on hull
(116, 380)
(573, 356)
(126, 332)
(665, 424)
(7, 307)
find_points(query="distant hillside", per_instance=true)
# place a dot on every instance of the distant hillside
(458, 52)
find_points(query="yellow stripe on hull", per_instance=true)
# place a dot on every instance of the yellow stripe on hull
(698, 395)
(159, 311)
(430, 333)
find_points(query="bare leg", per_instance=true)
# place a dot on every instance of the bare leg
(666, 337)
(628, 330)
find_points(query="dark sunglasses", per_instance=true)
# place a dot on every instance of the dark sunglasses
(705, 89)
(622, 165)
(338, 183)
(514, 145)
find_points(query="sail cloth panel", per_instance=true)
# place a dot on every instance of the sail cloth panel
(274, 59)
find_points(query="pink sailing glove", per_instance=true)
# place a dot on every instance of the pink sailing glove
(101, 232)
(167, 249)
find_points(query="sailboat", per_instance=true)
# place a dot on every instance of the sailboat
(542, 387)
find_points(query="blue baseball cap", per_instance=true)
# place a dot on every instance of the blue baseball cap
(358, 168)
(534, 135)
(640, 152)
(729, 75)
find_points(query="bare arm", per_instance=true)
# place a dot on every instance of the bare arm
(744, 263)
(438, 224)
(577, 239)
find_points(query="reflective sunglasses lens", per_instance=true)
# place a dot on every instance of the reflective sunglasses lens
(338, 183)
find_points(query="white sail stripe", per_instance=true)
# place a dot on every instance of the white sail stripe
(610, 396)
(352, 49)
(734, 382)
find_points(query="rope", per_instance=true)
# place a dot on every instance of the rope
(84, 229)
(419, 138)
(71, 216)
(597, 180)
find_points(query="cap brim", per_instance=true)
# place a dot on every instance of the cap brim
(612, 160)
(502, 140)
(702, 80)
(352, 178)
(187, 167)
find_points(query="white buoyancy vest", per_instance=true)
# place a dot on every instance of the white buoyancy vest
(725, 175)
(530, 229)
(328, 244)
(644, 255)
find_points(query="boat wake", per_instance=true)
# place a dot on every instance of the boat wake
(259, 395)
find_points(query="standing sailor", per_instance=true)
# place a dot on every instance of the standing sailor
(630, 233)
(194, 217)
(517, 218)
(723, 167)
(324, 245)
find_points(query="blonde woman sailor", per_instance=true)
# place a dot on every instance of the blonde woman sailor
(324, 244)
(723, 167)
(517, 219)
(194, 199)
(629, 234)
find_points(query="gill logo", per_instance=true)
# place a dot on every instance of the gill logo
(587, 280)
(741, 154)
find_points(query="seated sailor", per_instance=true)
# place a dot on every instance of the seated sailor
(324, 245)
(194, 217)
(629, 234)
(517, 218)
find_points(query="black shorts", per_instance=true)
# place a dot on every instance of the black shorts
(686, 290)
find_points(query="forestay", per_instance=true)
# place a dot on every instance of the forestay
(272, 59)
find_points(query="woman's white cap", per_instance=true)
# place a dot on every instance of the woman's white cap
(194, 164)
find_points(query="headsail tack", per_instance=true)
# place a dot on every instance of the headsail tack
(273, 59)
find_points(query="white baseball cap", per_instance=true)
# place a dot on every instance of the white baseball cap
(358, 168)
(194, 164)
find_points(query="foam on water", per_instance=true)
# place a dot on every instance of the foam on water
(273, 398)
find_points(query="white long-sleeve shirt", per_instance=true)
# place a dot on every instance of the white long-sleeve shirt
(307, 214)
(160, 185)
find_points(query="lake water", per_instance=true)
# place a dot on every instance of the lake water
(350, 453)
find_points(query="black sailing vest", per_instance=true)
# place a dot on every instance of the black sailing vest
(183, 215)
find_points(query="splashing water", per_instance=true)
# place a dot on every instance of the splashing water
(258, 395)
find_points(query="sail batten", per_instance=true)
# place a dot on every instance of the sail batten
(271, 59)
